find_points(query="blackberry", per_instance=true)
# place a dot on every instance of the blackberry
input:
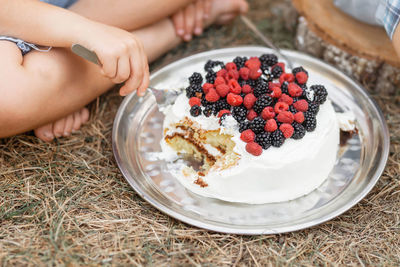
(276, 72)
(263, 139)
(243, 126)
(211, 76)
(269, 59)
(239, 113)
(257, 125)
(191, 90)
(299, 131)
(222, 104)
(277, 138)
(252, 83)
(285, 88)
(292, 109)
(196, 78)
(261, 88)
(310, 122)
(299, 69)
(320, 93)
(313, 108)
(240, 61)
(204, 101)
(241, 82)
(261, 103)
(208, 111)
(214, 66)
(195, 111)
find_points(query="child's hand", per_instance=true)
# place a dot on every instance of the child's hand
(190, 20)
(122, 57)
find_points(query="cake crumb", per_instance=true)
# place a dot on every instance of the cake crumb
(201, 182)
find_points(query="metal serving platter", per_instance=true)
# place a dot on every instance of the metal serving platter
(138, 131)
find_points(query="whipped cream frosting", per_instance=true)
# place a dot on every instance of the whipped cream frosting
(279, 174)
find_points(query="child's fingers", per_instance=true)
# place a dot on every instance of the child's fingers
(109, 64)
(207, 9)
(68, 125)
(136, 75)
(123, 70)
(58, 128)
(179, 23)
(189, 22)
(198, 29)
(145, 83)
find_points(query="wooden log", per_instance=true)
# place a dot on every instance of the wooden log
(352, 46)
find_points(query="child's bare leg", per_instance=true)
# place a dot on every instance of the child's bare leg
(128, 14)
(43, 87)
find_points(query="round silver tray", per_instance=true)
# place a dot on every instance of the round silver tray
(138, 130)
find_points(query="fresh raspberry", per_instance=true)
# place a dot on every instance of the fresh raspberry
(222, 73)
(244, 73)
(212, 96)
(207, 87)
(249, 101)
(254, 148)
(286, 77)
(285, 98)
(295, 90)
(268, 113)
(255, 74)
(285, 117)
(222, 112)
(251, 115)
(281, 106)
(232, 74)
(234, 87)
(287, 130)
(248, 136)
(247, 89)
(234, 100)
(276, 92)
(194, 101)
(219, 80)
(280, 64)
(222, 90)
(301, 105)
(301, 77)
(299, 117)
(253, 63)
(271, 126)
(272, 85)
(230, 66)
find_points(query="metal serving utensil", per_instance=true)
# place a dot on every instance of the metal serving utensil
(265, 39)
(164, 97)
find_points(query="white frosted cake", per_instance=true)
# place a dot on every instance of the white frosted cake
(254, 149)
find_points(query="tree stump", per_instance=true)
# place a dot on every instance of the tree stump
(362, 51)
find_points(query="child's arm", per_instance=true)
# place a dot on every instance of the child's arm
(121, 54)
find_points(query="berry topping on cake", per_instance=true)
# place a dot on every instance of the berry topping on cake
(247, 136)
(261, 103)
(195, 111)
(263, 139)
(257, 125)
(287, 130)
(268, 104)
(194, 101)
(254, 148)
(271, 126)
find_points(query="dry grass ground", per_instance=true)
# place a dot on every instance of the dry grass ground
(66, 203)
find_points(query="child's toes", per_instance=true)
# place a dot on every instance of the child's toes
(45, 133)
(69, 122)
(58, 127)
(84, 115)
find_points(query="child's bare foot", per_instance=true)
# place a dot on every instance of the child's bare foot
(63, 127)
